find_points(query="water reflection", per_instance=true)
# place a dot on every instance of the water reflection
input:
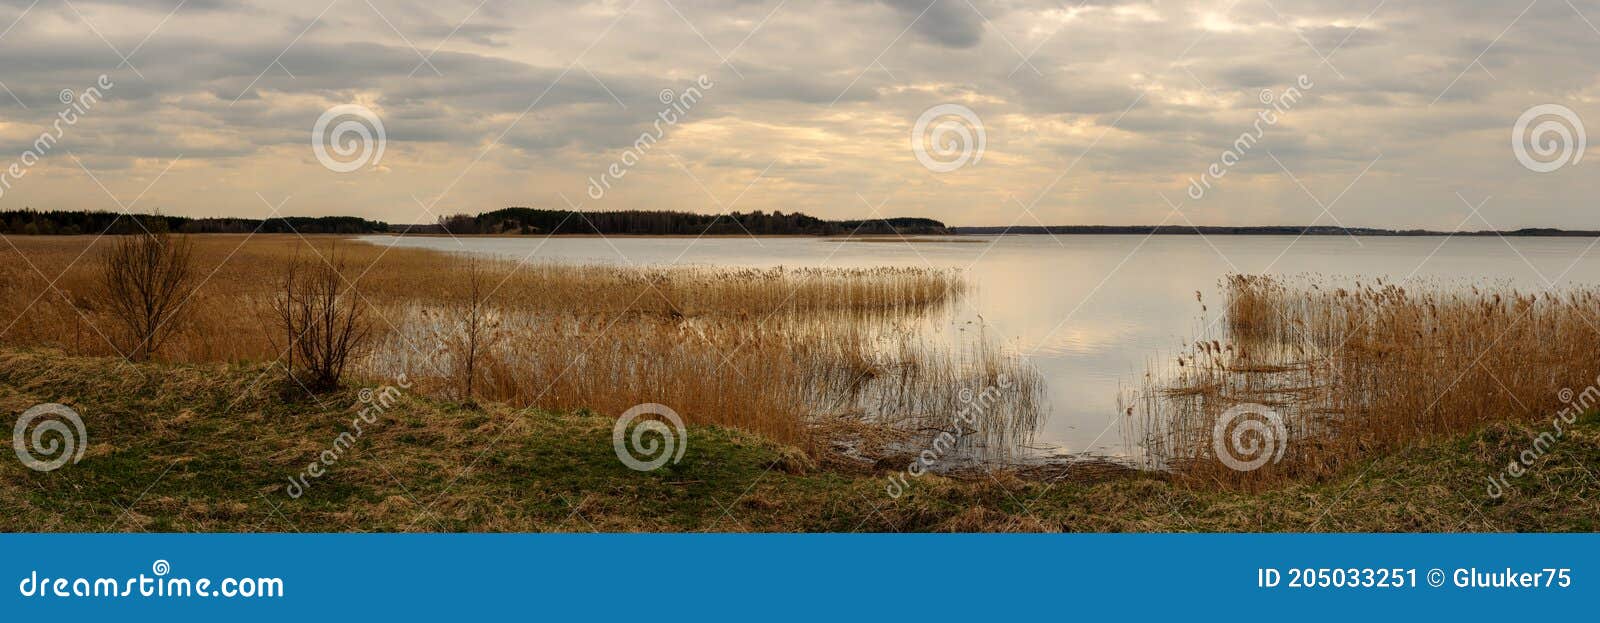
(1090, 312)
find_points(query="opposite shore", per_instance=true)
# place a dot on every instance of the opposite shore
(518, 222)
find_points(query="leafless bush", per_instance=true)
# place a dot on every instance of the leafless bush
(468, 329)
(145, 279)
(323, 320)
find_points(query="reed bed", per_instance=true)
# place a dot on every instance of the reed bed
(1358, 369)
(783, 352)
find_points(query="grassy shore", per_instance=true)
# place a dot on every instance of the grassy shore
(770, 351)
(211, 447)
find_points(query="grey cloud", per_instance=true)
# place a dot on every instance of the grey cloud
(950, 23)
(811, 67)
(1332, 39)
(1076, 92)
(1251, 76)
(768, 83)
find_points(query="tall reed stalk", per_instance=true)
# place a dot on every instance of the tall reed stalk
(1357, 369)
(806, 356)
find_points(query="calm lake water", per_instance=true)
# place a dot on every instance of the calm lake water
(1091, 311)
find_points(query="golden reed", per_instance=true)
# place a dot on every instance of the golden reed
(1353, 370)
(795, 354)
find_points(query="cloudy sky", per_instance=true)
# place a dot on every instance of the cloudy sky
(1092, 111)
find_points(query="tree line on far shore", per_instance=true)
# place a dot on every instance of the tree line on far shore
(67, 223)
(519, 221)
(666, 223)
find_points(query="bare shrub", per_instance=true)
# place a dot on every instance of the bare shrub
(144, 280)
(323, 320)
(468, 329)
(793, 354)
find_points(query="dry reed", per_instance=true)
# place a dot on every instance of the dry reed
(1357, 370)
(779, 351)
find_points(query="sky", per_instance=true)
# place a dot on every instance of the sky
(1379, 113)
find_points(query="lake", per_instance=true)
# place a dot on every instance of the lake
(1090, 311)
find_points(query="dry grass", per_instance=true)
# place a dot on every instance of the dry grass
(205, 448)
(773, 351)
(1361, 370)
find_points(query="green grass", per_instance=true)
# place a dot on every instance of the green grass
(211, 448)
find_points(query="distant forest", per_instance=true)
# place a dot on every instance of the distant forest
(66, 223)
(522, 221)
(642, 222)
(529, 221)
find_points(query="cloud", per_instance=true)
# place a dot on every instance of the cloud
(487, 104)
(955, 24)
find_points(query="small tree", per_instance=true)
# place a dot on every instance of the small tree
(145, 278)
(468, 328)
(324, 321)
